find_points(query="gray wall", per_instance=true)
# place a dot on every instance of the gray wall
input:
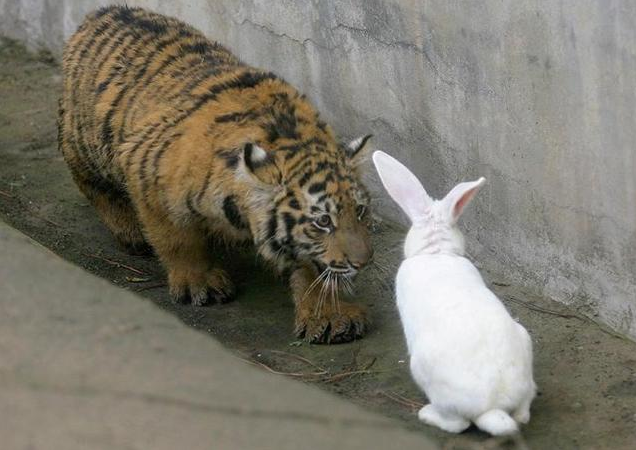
(539, 97)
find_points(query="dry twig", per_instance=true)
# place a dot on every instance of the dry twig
(30, 208)
(115, 263)
(542, 310)
(137, 280)
(31, 111)
(412, 404)
(321, 374)
(49, 221)
(152, 286)
(289, 374)
(349, 373)
(299, 358)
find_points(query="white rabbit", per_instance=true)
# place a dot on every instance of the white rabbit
(473, 361)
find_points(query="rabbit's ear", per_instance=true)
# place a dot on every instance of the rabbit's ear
(402, 186)
(460, 196)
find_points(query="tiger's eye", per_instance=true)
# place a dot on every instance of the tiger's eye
(324, 221)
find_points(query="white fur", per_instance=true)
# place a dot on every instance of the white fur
(473, 361)
(355, 143)
(258, 154)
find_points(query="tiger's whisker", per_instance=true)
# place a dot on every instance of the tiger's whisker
(337, 289)
(322, 293)
(333, 295)
(314, 284)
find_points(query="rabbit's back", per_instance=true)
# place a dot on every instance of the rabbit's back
(445, 295)
(464, 345)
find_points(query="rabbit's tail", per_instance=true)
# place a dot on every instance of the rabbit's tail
(496, 422)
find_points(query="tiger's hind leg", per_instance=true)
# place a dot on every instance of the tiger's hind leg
(183, 249)
(116, 211)
(112, 203)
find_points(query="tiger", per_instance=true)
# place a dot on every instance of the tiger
(176, 142)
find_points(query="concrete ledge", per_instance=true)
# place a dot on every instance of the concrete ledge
(87, 365)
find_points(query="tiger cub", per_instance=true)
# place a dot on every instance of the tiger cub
(173, 139)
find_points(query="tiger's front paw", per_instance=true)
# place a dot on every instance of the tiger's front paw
(214, 286)
(333, 324)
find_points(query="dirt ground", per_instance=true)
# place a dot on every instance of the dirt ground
(587, 377)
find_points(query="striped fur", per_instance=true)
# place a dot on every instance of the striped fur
(173, 139)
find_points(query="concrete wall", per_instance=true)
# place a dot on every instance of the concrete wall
(539, 97)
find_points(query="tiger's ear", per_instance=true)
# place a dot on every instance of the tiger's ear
(261, 164)
(357, 149)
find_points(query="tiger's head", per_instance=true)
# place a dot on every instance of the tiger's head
(301, 195)
(319, 213)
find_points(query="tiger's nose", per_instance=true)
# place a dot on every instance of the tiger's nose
(362, 260)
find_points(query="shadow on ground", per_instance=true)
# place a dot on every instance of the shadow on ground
(587, 377)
